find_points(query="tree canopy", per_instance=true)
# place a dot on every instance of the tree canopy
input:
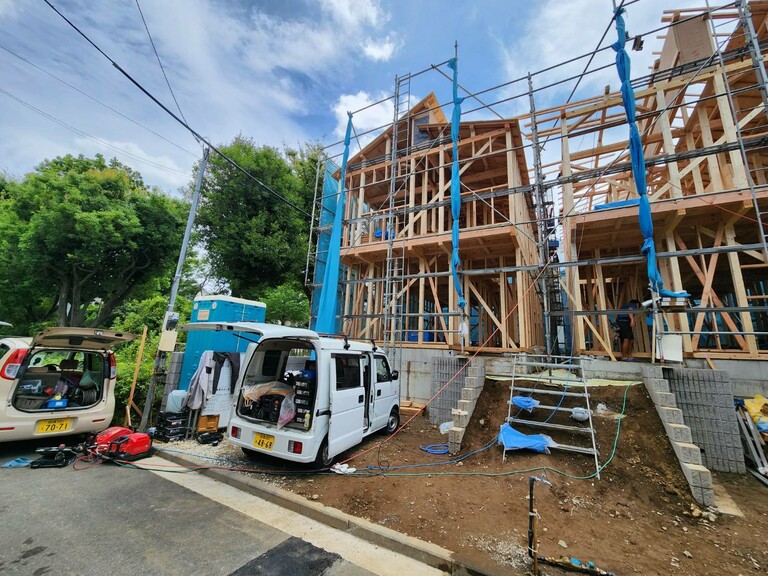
(78, 236)
(255, 240)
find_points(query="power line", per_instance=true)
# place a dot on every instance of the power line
(159, 61)
(138, 85)
(107, 106)
(89, 136)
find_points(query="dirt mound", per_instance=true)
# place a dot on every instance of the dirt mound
(635, 519)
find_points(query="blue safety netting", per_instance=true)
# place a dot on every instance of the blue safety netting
(326, 313)
(325, 225)
(511, 439)
(456, 184)
(638, 162)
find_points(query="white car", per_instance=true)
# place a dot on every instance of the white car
(60, 382)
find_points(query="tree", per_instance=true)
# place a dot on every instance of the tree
(287, 304)
(254, 239)
(79, 231)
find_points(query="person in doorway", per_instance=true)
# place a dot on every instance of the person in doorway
(626, 323)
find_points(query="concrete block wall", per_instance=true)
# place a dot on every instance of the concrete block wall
(457, 402)
(706, 400)
(680, 436)
(446, 370)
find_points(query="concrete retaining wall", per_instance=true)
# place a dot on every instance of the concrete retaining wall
(706, 400)
(698, 476)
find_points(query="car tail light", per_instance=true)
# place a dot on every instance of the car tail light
(294, 447)
(112, 366)
(12, 365)
(235, 432)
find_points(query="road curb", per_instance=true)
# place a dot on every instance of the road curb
(425, 552)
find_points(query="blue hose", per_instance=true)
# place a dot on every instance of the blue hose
(435, 448)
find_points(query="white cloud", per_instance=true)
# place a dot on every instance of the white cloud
(380, 50)
(563, 29)
(372, 118)
(355, 13)
(8, 9)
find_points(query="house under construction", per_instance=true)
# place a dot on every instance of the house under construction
(549, 241)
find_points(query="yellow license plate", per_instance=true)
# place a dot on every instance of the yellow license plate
(54, 425)
(264, 441)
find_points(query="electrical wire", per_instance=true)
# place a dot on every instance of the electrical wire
(162, 68)
(99, 102)
(91, 137)
(195, 133)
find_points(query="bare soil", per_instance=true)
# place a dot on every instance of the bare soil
(638, 518)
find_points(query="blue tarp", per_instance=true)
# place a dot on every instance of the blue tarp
(620, 204)
(511, 439)
(525, 402)
(326, 313)
(638, 161)
(327, 215)
(456, 183)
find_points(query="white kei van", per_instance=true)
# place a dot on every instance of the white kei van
(306, 397)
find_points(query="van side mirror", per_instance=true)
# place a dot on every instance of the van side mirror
(395, 375)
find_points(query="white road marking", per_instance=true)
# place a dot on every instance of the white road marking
(359, 552)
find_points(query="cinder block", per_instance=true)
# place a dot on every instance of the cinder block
(665, 399)
(466, 406)
(473, 382)
(454, 447)
(460, 418)
(657, 384)
(687, 453)
(456, 434)
(670, 415)
(708, 496)
(679, 432)
(476, 372)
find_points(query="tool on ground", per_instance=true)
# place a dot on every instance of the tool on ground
(54, 457)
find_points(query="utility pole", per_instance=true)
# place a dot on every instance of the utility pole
(171, 317)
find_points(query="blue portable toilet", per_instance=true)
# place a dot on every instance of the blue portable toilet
(217, 309)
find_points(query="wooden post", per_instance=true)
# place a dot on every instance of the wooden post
(139, 358)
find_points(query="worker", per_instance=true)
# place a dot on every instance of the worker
(626, 324)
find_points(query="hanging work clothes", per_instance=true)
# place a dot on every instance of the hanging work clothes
(201, 384)
(218, 363)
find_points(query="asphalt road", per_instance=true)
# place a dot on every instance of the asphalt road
(119, 521)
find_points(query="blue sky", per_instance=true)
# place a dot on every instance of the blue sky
(282, 72)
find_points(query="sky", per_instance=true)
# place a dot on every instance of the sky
(282, 72)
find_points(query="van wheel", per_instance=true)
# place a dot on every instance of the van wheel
(323, 460)
(393, 421)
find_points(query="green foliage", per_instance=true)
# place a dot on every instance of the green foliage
(287, 304)
(79, 230)
(254, 240)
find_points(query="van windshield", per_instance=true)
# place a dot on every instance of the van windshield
(279, 385)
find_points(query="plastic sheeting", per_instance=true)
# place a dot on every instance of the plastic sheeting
(638, 162)
(525, 402)
(456, 184)
(326, 313)
(511, 439)
(327, 215)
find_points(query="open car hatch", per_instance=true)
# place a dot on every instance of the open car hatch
(85, 338)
